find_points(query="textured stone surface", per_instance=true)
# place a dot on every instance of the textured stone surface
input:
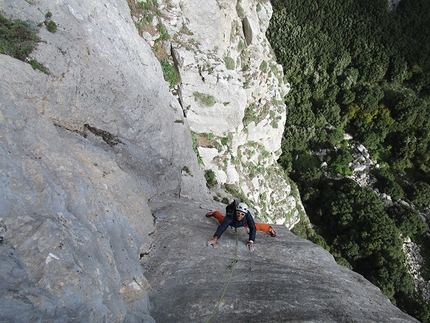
(105, 75)
(287, 279)
(232, 89)
(75, 224)
(81, 151)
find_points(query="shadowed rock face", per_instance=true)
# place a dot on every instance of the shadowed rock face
(287, 279)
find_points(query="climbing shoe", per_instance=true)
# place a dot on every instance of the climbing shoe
(271, 232)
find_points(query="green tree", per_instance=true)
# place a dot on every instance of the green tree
(386, 183)
(407, 220)
(357, 227)
(359, 68)
(420, 194)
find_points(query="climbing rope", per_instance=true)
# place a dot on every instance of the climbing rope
(229, 279)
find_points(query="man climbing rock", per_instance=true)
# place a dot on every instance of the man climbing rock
(238, 215)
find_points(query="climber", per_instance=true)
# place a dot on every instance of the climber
(238, 215)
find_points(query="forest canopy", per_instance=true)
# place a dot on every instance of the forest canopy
(360, 68)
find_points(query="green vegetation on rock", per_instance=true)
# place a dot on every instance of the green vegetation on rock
(205, 99)
(170, 73)
(17, 39)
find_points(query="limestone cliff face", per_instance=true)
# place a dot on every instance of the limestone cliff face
(231, 91)
(82, 150)
(90, 152)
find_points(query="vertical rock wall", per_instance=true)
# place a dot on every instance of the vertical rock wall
(82, 149)
(231, 90)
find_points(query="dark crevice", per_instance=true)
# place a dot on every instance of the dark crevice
(107, 137)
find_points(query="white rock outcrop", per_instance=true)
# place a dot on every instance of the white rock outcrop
(231, 89)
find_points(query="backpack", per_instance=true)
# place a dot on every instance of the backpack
(231, 208)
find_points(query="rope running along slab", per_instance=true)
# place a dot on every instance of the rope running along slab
(229, 279)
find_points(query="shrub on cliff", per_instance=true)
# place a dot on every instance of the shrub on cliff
(17, 39)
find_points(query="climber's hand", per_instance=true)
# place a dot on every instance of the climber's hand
(211, 242)
(251, 246)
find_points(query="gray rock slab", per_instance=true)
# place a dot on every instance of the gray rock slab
(73, 223)
(104, 75)
(287, 279)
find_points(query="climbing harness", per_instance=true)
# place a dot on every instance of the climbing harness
(229, 279)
